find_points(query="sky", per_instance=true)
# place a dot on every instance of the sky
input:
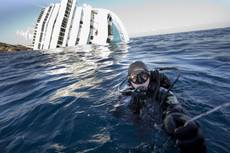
(140, 17)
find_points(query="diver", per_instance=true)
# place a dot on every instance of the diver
(146, 84)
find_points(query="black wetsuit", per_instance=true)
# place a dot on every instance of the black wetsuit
(190, 139)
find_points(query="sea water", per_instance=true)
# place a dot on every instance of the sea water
(61, 100)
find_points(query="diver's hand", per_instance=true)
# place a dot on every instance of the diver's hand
(189, 137)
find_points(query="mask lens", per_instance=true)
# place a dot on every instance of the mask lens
(139, 78)
(145, 76)
(133, 77)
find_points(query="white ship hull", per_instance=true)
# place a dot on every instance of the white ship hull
(65, 24)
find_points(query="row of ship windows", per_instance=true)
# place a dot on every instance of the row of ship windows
(42, 12)
(43, 25)
(40, 16)
(90, 38)
(69, 4)
(64, 24)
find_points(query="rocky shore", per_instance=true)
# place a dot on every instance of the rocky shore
(8, 47)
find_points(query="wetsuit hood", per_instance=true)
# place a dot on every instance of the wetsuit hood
(138, 65)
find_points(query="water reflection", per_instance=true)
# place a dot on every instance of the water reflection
(84, 67)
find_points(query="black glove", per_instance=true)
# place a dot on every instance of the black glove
(188, 137)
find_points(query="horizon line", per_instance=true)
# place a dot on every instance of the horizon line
(148, 35)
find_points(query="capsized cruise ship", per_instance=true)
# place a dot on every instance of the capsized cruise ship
(65, 24)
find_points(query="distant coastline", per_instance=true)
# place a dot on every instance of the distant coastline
(8, 47)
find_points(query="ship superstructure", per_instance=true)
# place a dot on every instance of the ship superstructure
(65, 24)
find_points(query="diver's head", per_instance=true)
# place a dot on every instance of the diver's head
(138, 75)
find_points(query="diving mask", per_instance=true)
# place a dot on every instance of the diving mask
(139, 76)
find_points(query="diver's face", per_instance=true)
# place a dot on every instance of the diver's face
(140, 78)
(144, 85)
